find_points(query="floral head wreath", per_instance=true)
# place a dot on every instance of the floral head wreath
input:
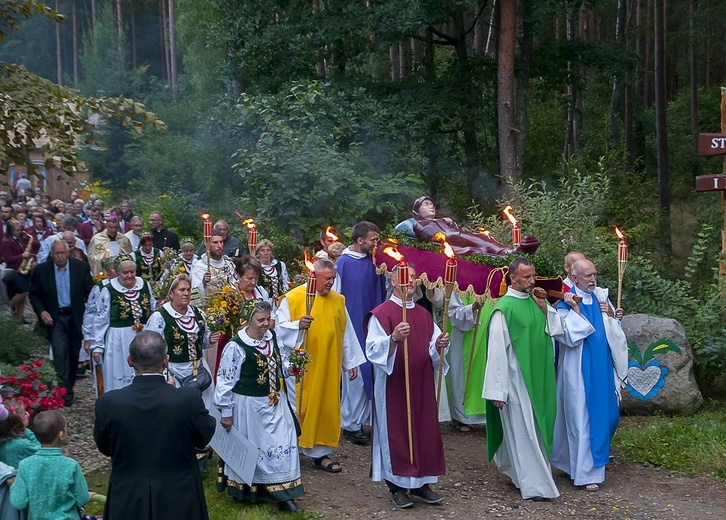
(187, 240)
(248, 308)
(120, 259)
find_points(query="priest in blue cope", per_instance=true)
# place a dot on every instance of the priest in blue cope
(587, 399)
(364, 290)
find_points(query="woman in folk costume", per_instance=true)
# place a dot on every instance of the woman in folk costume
(251, 399)
(249, 271)
(187, 255)
(275, 279)
(123, 307)
(101, 280)
(149, 260)
(186, 333)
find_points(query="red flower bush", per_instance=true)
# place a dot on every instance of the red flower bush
(29, 388)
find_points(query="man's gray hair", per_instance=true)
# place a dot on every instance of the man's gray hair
(147, 351)
(324, 263)
(136, 218)
(69, 222)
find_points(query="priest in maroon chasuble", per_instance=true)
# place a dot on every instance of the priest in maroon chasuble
(386, 332)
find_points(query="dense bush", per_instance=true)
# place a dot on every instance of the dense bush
(18, 343)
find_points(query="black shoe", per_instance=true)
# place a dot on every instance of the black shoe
(359, 437)
(290, 506)
(401, 499)
(539, 499)
(427, 494)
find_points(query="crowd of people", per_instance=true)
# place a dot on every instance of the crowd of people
(104, 290)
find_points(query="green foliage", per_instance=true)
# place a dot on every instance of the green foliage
(178, 207)
(307, 151)
(567, 217)
(694, 444)
(12, 11)
(37, 110)
(19, 343)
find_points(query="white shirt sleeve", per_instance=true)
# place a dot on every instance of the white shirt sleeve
(101, 321)
(228, 372)
(496, 376)
(378, 346)
(460, 316)
(352, 352)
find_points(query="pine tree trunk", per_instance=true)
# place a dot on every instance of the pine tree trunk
(93, 14)
(395, 62)
(661, 133)
(165, 36)
(172, 50)
(75, 42)
(648, 51)
(119, 19)
(693, 71)
(521, 114)
(58, 48)
(505, 90)
(616, 97)
(133, 35)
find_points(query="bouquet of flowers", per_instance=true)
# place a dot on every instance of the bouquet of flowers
(28, 387)
(299, 358)
(223, 310)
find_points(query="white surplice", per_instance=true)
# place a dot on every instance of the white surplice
(522, 455)
(461, 318)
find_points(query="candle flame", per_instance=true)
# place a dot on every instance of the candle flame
(250, 223)
(205, 216)
(619, 233)
(308, 263)
(508, 212)
(393, 253)
(329, 233)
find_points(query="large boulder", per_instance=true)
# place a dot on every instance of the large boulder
(660, 367)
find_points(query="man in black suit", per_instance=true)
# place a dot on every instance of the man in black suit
(58, 293)
(150, 430)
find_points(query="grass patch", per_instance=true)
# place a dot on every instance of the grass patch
(220, 505)
(694, 444)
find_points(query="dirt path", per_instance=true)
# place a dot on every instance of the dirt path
(631, 491)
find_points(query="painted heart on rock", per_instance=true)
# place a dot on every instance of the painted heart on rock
(644, 383)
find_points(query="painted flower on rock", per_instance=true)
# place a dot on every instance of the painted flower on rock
(646, 375)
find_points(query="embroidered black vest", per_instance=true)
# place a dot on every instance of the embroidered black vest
(178, 339)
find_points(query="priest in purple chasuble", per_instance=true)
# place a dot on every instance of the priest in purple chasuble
(363, 290)
(385, 351)
(519, 384)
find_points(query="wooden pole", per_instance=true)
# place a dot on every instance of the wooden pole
(477, 315)
(404, 297)
(448, 287)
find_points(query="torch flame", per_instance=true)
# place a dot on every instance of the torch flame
(448, 250)
(619, 233)
(329, 233)
(440, 237)
(205, 216)
(508, 212)
(250, 223)
(393, 253)
(308, 263)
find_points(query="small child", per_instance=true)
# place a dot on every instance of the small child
(50, 485)
(17, 442)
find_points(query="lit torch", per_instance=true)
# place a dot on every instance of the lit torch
(516, 236)
(310, 291)
(251, 236)
(449, 280)
(207, 236)
(404, 280)
(485, 231)
(622, 261)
